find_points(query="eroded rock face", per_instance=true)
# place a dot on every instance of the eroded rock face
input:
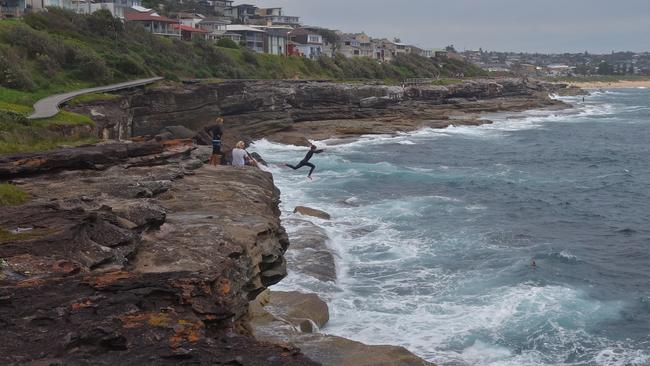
(279, 109)
(140, 263)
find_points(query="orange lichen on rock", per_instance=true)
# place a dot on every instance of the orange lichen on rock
(178, 142)
(223, 286)
(81, 305)
(187, 331)
(106, 279)
(138, 320)
(32, 282)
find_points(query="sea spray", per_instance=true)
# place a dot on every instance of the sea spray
(434, 252)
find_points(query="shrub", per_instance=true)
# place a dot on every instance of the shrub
(249, 57)
(12, 72)
(227, 43)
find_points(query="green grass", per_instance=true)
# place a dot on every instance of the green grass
(64, 118)
(445, 82)
(11, 195)
(93, 97)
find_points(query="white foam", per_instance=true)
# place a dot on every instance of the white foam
(481, 353)
(621, 356)
(406, 142)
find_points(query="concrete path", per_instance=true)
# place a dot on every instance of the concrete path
(49, 106)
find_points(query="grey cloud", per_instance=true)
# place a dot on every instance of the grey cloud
(517, 25)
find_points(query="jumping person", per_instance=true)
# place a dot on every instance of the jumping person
(305, 161)
(215, 131)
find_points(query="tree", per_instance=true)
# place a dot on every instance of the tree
(605, 68)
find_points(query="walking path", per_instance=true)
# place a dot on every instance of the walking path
(49, 106)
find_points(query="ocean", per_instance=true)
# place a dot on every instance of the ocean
(435, 233)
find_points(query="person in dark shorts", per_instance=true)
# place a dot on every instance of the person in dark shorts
(305, 161)
(215, 131)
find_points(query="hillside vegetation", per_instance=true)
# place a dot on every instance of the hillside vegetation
(58, 50)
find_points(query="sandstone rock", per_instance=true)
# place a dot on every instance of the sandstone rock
(192, 164)
(259, 109)
(376, 102)
(202, 153)
(296, 307)
(143, 214)
(307, 211)
(73, 158)
(325, 349)
(179, 132)
(104, 277)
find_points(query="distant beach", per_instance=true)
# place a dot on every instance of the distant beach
(623, 84)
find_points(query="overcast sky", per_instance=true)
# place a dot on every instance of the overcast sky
(502, 25)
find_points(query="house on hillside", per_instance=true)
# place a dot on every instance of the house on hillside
(40, 5)
(274, 16)
(241, 14)
(216, 27)
(220, 6)
(414, 50)
(116, 7)
(189, 33)
(276, 39)
(440, 53)
(153, 22)
(12, 8)
(252, 38)
(384, 50)
(356, 45)
(307, 42)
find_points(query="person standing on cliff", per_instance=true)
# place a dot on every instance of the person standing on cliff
(215, 131)
(305, 161)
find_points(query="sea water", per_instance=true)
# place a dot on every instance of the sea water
(435, 232)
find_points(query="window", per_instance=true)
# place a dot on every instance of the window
(314, 39)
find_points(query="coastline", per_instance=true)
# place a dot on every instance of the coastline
(176, 190)
(623, 84)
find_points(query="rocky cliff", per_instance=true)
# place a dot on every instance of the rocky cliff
(287, 110)
(137, 259)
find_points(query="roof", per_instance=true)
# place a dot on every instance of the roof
(187, 28)
(242, 28)
(140, 9)
(278, 31)
(132, 16)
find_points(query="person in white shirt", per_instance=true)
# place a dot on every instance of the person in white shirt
(239, 155)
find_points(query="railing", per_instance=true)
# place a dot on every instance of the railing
(419, 81)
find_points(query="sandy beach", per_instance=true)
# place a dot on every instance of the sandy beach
(613, 85)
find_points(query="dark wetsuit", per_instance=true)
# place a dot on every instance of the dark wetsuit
(305, 161)
(216, 131)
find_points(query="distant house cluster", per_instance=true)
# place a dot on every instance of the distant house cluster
(561, 64)
(262, 30)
